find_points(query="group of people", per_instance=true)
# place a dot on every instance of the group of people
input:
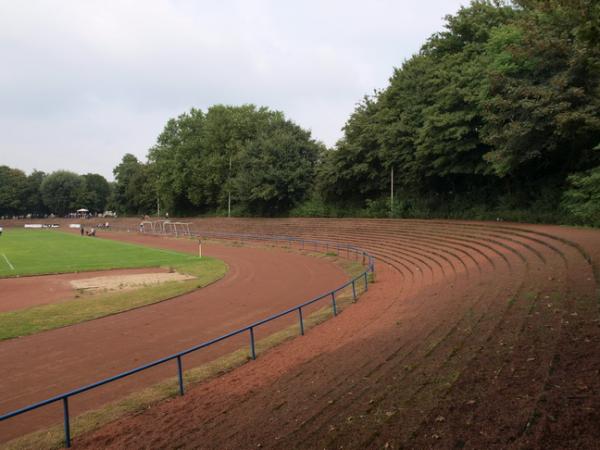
(90, 232)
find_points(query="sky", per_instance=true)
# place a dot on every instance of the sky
(84, 82)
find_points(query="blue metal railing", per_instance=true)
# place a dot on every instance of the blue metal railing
(303, 243)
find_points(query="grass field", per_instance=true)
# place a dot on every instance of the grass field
(29, 252)
(36, 252)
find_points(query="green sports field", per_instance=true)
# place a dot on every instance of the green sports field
(32, 252)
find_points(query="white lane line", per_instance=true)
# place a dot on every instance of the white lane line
(8, 262)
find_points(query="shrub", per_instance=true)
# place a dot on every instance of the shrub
(582, 199)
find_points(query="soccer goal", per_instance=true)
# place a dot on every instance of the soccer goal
(177, 228)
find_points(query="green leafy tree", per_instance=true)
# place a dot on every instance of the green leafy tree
(94, 192)
(354, 170)
(542, 106)
(13, 183)
(493, 113)
(34, 203)
(276, 169)
(582, 199)
(243, 153)
(135, 191)
(60, 192)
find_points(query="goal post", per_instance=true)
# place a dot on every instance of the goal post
(166, 227)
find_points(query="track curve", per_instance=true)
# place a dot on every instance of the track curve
(259, 282)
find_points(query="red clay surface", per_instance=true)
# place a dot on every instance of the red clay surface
(259, 282)
(475, 335)
(25, 292)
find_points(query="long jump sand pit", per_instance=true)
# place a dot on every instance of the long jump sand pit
(25, 292)
(127, 281)
(259, 282)
(475, 335)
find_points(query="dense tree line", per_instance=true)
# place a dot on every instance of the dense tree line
(58, 193)
(496, 116)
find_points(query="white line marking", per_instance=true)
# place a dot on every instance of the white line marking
(8, 262)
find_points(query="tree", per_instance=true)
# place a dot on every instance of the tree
(201, 161)
(34, 203)
(542, 106)
(582, 199)
(172, 158)
(276, 169)
(354, 170)
(135, 191)
(60, 191)
(13, 183)
(493, 112)
(94, 192)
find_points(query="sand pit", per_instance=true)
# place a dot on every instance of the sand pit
(119, 282)
(26, 292)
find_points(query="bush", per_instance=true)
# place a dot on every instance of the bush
(313, 207)
(582, 199)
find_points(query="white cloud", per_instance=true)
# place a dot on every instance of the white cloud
(83, 82)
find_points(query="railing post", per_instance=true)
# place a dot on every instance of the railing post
(333, 304)
(67, 423)
(354, 290)
(252, 347)
(366, 282)
(301, 321)
(302, 244)
(180, 375)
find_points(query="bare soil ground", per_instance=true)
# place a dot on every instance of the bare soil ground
(259, 282)
(25, 292)
(475, 335)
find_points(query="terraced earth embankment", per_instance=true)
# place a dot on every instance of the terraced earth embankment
(475, 335)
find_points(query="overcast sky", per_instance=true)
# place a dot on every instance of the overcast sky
(84, 82)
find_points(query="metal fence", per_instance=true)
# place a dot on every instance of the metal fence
(305, 244)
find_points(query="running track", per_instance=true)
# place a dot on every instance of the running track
(260, 282)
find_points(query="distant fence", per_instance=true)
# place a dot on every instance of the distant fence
(306, 244)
